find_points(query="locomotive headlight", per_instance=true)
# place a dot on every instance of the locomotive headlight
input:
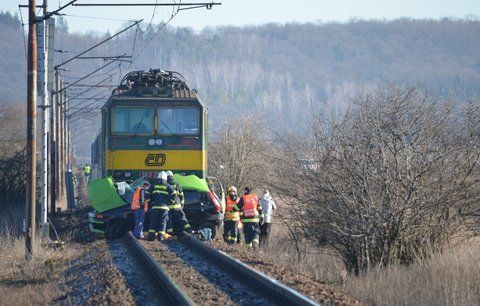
(128, 174)
(151, 142)
(159, 142)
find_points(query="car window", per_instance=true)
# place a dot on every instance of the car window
(193, 197)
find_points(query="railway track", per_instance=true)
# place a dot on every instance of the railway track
(191, 272)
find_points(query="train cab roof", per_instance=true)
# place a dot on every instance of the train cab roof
(153, 84)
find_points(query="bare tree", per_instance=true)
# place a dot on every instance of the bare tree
(238, 152)
(391, 179)
(13, 166)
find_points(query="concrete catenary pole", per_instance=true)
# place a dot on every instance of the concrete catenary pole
(58, 102)
(45, 127)
(31, 131)
(61, 143)
(53, 146)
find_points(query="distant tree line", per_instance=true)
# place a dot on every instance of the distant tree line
(285, 71)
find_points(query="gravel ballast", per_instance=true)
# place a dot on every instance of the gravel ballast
(205, 283)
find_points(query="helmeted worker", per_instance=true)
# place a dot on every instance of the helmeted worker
(177, 221)
(88, 172)
(230, 223)
(251, 217)
(159, 201)
(139, 207)
(268, 205)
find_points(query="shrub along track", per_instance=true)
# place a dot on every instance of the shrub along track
(210, 280)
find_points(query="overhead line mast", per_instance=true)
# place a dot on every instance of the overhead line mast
(31, 132)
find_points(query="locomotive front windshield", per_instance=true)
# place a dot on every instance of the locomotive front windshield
(178, 121)
(133, 120)
(141, 120)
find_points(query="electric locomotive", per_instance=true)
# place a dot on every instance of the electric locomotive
(152, 122)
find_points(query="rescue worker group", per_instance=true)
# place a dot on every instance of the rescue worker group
(167, 218)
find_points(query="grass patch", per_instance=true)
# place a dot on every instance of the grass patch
(450, 278)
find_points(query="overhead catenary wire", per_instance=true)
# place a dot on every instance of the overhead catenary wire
(93, 76)
(97, 18)
(86, 76)
(98, 44)
(86, 101)
(82, 103)
(160, 28)
(23, 29)
(153, 16)
(88, 89)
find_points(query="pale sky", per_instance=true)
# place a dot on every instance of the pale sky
(255, 12)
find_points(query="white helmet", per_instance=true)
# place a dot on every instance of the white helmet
(162, 175)
(169, 173)
(232, 188)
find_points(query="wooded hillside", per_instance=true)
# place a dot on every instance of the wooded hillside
(283, 71)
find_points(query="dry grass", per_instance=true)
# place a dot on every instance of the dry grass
(28, 281)
(451, 278)
(321, 264)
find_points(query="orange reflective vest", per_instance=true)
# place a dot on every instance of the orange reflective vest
(250, 208)
(229, 213)
(136, 201)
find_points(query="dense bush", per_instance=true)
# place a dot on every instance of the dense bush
(393, 178)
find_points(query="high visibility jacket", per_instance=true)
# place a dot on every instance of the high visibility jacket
(229, 213)
(88, 169)
(139, 200)
(250, 208)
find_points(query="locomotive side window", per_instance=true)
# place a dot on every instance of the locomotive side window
(178, 120)
(133, 120)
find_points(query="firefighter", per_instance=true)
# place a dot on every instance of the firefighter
(139, 207)
(88, 172)
(160, 199)
(230, 224)
(252, 215)
(177, 221)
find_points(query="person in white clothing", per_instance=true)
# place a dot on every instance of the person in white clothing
(268, 205)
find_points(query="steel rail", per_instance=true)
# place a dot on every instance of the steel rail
(258, 280)
(161, 279)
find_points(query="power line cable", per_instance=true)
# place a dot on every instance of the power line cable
(174, 13)
(23, 29)
(100, 43)
(98, 18)
(90, 88)
(151, 19)
(88, 75)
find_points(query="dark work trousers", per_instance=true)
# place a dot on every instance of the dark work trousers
(158, 222)
(177, 222)
(251, 230)
(139, 219)
(264, 233)
(230, 230)
(239, 232)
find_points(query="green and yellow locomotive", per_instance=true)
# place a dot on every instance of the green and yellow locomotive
(152, 122)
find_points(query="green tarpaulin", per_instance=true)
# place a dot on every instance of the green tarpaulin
(103, 194)
(192, 182)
